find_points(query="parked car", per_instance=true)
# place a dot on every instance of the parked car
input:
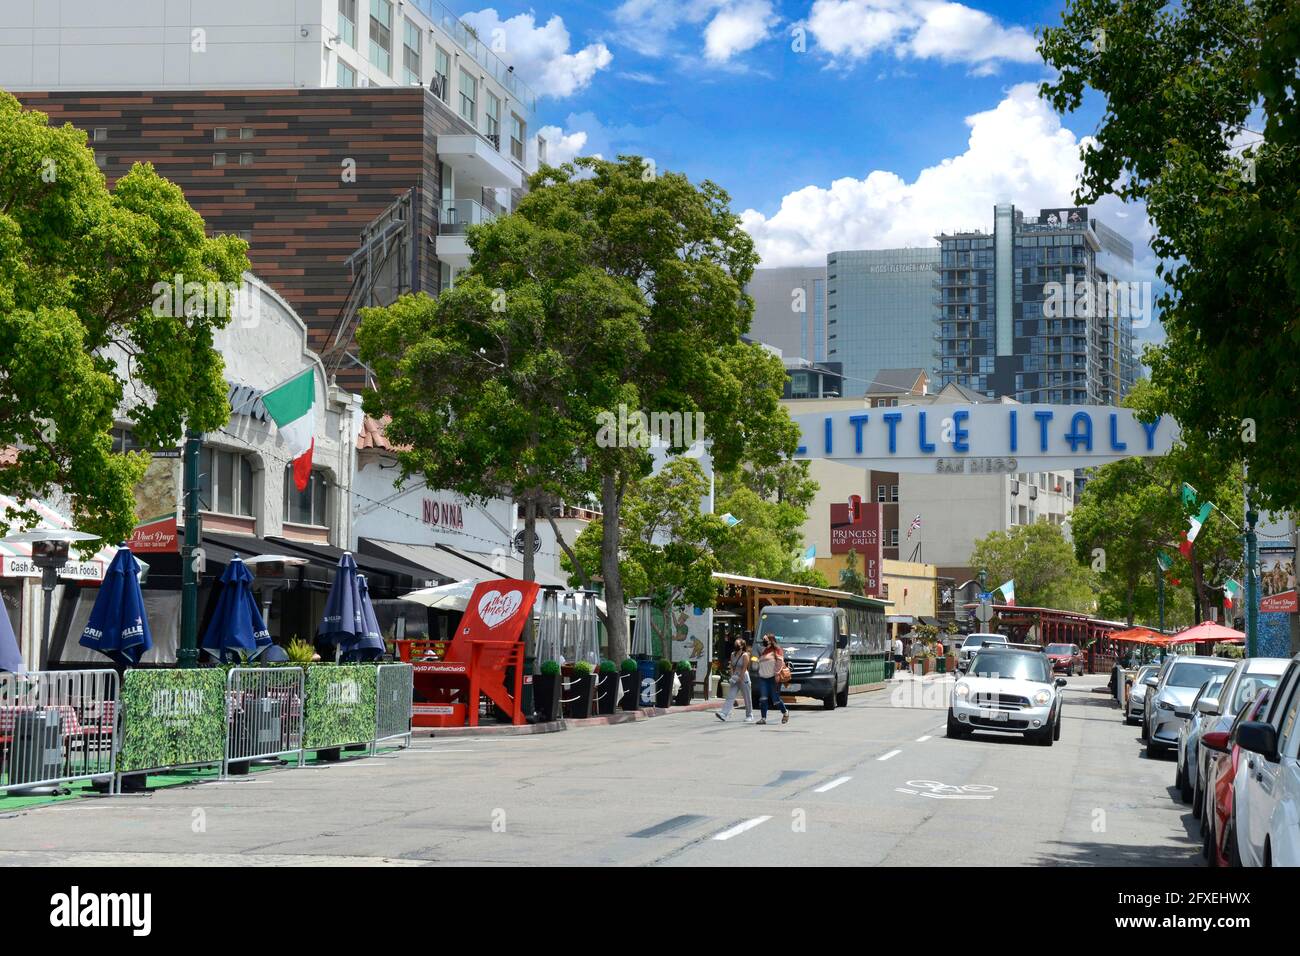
(1250, 678)
(1066, 657)
(1138, 694)
(815, 641)
(1204, 708)
(971, 645)
(1266, 789)
(1007, 689)
(1173, 691)
(1218, 843)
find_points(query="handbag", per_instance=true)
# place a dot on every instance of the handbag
(783, 675)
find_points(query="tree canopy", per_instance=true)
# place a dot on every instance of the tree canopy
(1041, 562)
(86, 336)
(772, 505)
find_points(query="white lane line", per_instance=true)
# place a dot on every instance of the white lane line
(892, 753)
(921, 740)
(740, 828)
(832, 785)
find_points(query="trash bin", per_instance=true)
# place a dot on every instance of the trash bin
(940, 665)
(646, 672)
(889, 669)
(36, 752)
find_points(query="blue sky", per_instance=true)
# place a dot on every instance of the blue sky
(832, 123)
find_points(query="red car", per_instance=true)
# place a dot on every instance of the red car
(1066, 658)
(1218, 843)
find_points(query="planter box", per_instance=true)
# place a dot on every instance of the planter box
(684, 695)
(580, 694)
(607, 693)
(546, 697)
(630, 690)
(664, 690)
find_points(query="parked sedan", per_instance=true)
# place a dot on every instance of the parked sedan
(1250, 678)
(1204, 709)
(1067, 658)
(1266, 790)
(1218, 843)
(1173, 692)
(1138, 694)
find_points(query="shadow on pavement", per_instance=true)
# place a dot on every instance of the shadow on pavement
(1116, 854)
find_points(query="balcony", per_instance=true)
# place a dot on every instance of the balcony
(477, 164)
(456, 217)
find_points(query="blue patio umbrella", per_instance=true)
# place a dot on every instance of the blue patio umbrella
(11, 659)
(236, 626)
(118, 627)
(342, 622)
(368, 645)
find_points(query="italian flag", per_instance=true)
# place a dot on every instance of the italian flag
(1009, 592)
(292, 406)
(1231, 591)
(1164, 561)
(1197, 520)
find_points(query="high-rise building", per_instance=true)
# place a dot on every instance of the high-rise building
(1041, 309)
(790, 310)
(350, 142)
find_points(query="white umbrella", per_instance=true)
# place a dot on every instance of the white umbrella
(445, 597)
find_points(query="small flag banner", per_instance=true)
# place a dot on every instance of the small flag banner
(730, 520)
(1009, 592)
(1184, 545)
(1189, 496)
(809, 557)
(292, 406)
(915, 526)
(1198, 520)
(1231, 593)
(1164, 561)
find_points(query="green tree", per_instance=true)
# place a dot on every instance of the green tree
(772, 504)
(85, 309)
(687, 256)
(1041, 562)
(851, 578)
(1200, 123)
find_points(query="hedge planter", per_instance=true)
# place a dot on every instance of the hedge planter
(664, 690)
(608, 693)
(546, 697)
(687, 691)
(579, 695)
(630, 691)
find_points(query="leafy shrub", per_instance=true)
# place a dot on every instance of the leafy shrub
(550, 668)
(664, 665)
(629, 666)
(685, 667)
(608, 667)
(299, 651)
(582, 667)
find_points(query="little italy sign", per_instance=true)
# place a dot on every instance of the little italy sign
(982, 439)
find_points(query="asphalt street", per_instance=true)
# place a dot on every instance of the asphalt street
(874, 783)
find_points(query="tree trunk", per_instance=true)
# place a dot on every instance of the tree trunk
(610, 502)
(530, 570)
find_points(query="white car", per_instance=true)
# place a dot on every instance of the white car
(1137, 694)
(1174, 691)
(971, 646)
(1008, 689)
(1266, 790)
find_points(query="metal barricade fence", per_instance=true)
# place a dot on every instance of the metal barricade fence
(394, 696)
(264, 714)
(57, 727)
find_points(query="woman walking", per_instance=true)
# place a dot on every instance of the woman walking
(738, 683)
(770, 662)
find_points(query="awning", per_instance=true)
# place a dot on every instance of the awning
(435, 560)
(514, 567)
(399, 572)
(16, 557)
(898, 619)
(930, 621)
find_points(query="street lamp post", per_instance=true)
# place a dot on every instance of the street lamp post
(1252, 582)
(191, 556)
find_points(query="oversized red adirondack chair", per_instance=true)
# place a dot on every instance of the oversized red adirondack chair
(488, 640)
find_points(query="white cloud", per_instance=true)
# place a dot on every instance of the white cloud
(561, 147)
(924, 29)
(540, 54)
(731, 26)
(1016, 152)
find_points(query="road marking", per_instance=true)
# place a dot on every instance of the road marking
(892, 753)
(832, 785)
(942, 791)
(741, 828)
(921, 740)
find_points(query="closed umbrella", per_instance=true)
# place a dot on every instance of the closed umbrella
(117, 626)
(341, 622)
(368, 645)
(236, 627)
(10, 658)
(445, 597)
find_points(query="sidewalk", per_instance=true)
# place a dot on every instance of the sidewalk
(513, 730)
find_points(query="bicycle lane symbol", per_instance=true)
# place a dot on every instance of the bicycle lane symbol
(943, 791)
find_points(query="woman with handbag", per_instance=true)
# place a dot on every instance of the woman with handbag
(771, 670)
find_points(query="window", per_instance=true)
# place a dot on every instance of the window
(218, 133)
(493, 113)
(247, 132)
(893, 537)
(441, 73)
(100, 134)
(124, 441)
(348, 22)
(893, 493)
(411, 48)
(518, 129)
(880, 492)
(308, 506)
(245, 159)
(101, 160)
(225, 482)
(381, 35)
(218, 159)
(468, 98)
(347, 76)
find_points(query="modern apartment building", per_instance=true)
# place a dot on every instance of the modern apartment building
(790, 311)
(351, 142)
(1040, 309)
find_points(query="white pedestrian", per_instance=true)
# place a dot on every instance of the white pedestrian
(739, 683)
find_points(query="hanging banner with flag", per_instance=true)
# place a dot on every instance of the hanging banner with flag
(1009, 592)
(1231, 593)
(914, 526)
(292, 406)
(1198, 520)
(809, 557)
(730, 520)
(1189, 496)
(1164, 561)
(1184, 546)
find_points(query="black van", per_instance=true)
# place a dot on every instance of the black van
(815, 641)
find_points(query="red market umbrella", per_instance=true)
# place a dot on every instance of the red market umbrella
(1206, 632)
(1137, 635)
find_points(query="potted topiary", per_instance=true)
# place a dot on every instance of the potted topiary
(546, 692)
(631, 684)
(685, 674)
(663, 683)
(580, 692)
(607, 688)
